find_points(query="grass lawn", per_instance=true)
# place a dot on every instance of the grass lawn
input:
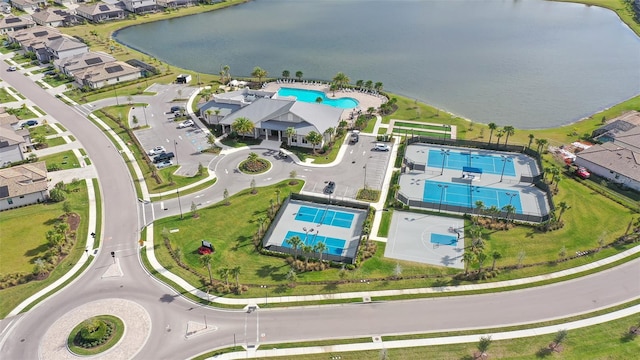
(603, 341)
(439, 128)
(132, 88)
(55, 141)
(410, 132)
(239, 142)
(5, 97)
(17, 93)
(64, 160)
(179, 181)
(319, 158)
(22, 113)
(24, 241)
(56, 80)
(42, 130)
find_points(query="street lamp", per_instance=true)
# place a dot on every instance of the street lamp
(115, 92)
(365, 176)
(442, 189)
(505, 160)
(179, 203)
(145, 115)
(444, 153)
(175, 149)
(511, 196)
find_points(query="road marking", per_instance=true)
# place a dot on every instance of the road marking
(267, 179)
(180, 137)
(226, 171)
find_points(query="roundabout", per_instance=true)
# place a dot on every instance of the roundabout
(137, 327)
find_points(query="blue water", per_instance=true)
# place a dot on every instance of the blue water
(325, 217)
(467, 195)
(310, 96)
(490, 164)
(441, 239)
(334, 246)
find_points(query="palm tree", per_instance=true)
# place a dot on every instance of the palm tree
(261, 221)
(259, 73)
(476, 238)
(483, 346)
(467, 258)
(360, 84)
(292, 276)
(236, 273)
(368, 85)
(320, 247)
(224, 274)
(329, 132)
(540, 144)
(341, 79)
(499, 134)
(481, 257)
(306, 250)
(295, 243)
(555, 172)
(508, 130)
(55, 240)
(492, 126)
(242, 125)
(226, 73)
(205, 260)
(557, 178)
(494, 211)
(211, 140)
(531, 137)
(479, 207)
(285, 74)
(563, 206)
(278, 196)
(290, 133)
(509, 209)
(314, 138)
(378, 86)
(62, 229)
(495, 255)
(333, 88)
(299, 75)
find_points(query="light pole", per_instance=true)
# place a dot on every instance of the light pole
(175, 149)
(505, 160)
(511, 196)
(266, 294)
(115, 92)
(179, 203)
(442, 189)
(365, 176)
(144, 111)
(444, 153)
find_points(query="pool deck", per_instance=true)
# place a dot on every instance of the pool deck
(365, 100)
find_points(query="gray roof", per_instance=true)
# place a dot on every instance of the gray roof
(625, 122)
(84, 60)
(23, 179)
(273, 113)
(614, 158)
(65, 43)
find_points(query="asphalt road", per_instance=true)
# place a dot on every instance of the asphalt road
(121, 225)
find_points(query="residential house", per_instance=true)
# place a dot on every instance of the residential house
(105, 74)
(176, 3)
(141, 6)
(622, 123)
(26, 5)
(23, 185)
(54, 18)
(72, 64)
(272, 117)
(35, 40)
(13, 144)
(15, 23)
(100, 12)
(64, 47)
(612, 162)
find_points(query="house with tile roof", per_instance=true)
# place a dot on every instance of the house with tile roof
(141, 6)
(64, 47)
(72, 64)
(25, 5)
(35, 40)
(54, 18)
(23, 185)
(100, 12)
(13, 144)
(272, 117)
(176, 3)
(15, 23)
(104, 74)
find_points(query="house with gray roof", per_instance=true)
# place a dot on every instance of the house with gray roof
(272, 117)
(15, 23)
(100, 12)
(104, 74)
(622, 123)
(13, 144)
(35, 39)
(176, 3)
(23, 185)
(54, 18)
(612, 162)
(141, 6)
(72, 64)
(25, 5)
(65, 46)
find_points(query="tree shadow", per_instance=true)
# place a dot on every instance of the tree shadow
(52, 221)
(37, 251)
(628, 336)
(265, 271)
(167, 298)
(543, 352)
(281, 289)
(330, 287)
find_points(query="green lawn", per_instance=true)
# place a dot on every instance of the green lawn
(179, 181)
(42, 130)
(439, 128)
(64, 160)
(410, 132)
(22, 113)
(57, 80)
(24, 241)
(5, 97)
(17, 93)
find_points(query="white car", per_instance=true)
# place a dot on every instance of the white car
(157, 150)
(164, 164)
(186, 124)
(381, 147)
(12, 68)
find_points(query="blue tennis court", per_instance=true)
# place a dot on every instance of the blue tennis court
(467, 195)
(441, 239)
(324, 217)
(490, 164)
(334, 246)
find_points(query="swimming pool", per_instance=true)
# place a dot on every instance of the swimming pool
(325, 217)
(334, 246)
(490, 164)
(310, 96)
(467, 195)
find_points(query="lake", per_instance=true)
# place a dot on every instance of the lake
(527, 63)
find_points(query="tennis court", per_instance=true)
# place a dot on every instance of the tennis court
(334, 246)
(324, 217)
(456, 160)
(466, 195)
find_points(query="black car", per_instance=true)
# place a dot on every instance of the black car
(163, 157)
(29, 123)
(176, 109)
(330, 188)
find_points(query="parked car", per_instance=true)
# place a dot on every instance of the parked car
(583, 173)
(29, 123)
(355, 136)
(157, 150)
(163, 157)
(12, 68)
(330, 188)
(177, 108)
(381, 147)
(164, 164)
(186, 124)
